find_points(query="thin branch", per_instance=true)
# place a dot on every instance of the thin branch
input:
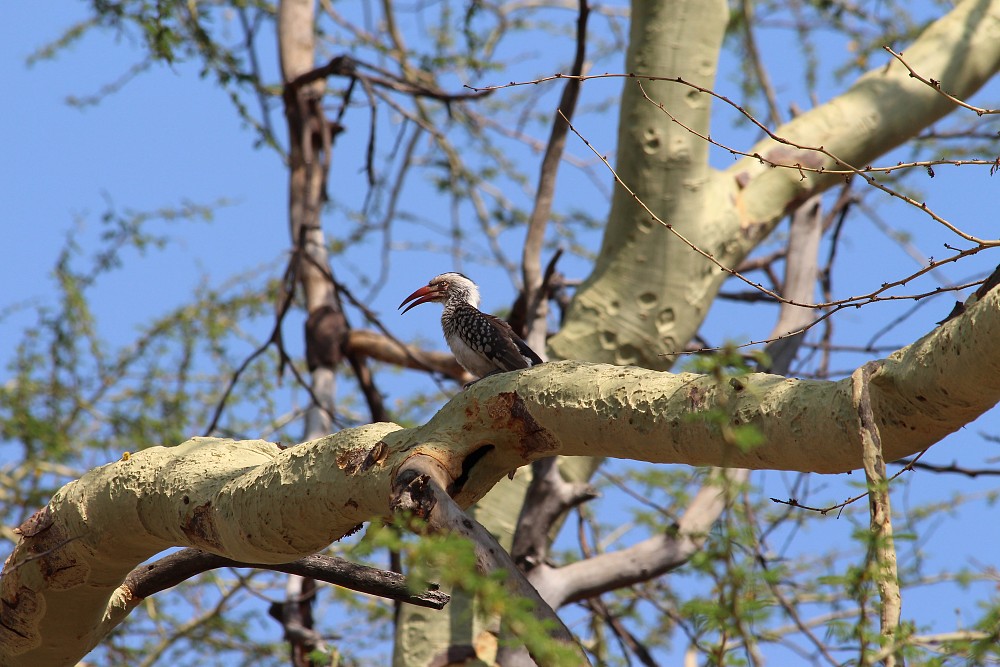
(746, 7)
(535, 301)
(792, 502)
(936, 85)
(914, 464)
(803, 169)
(167, 572)
(275, 339)
(348, 66)
(849, 301)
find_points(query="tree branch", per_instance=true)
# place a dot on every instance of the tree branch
(531, 264)
(421, 493)
(644, 561)
(171, 570)
(255, 502)
(390, 351)
(625, 307)
(882, 109)
(548, 498)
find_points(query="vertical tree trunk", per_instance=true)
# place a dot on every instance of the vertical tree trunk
(647, 294)
(309, 145)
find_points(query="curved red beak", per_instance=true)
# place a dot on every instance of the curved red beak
(425, 294)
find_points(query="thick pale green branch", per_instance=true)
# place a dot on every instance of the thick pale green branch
(252, 501)
(649, 292)
(883, 108)
(635, 304)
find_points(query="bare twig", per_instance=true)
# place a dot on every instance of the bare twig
(873, 296)
(936, 85)
(535, 301)
(746, 7)
(848, 169)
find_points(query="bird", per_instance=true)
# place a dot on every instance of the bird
(483, 344)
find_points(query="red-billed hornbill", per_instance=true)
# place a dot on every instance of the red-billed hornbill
(483, 344)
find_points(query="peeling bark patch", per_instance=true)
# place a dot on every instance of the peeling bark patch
(22, 608)
(351, 460)
(784, 155)
(376, 456)
(509, 413)
(36, 523)
(200, 527)
(468, 463)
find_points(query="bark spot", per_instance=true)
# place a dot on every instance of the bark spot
(696, 397)
(650, 141)
(376, 457)
(509, 413)
(665, 320)
(200, 526)
(627, 355)
(51, 547)
(36, 523)
(647, 300)
(351, 460)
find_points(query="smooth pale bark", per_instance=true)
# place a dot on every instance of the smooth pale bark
(649, 558)
(253, 501)
(643, 296)
(884, 108)
(309, 146)
(649, 292)
(423, 634)
(673, 548)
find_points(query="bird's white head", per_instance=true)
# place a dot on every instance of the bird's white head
(447, 288)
